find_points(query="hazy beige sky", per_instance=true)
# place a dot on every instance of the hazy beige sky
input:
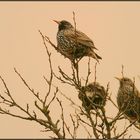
(113, 26)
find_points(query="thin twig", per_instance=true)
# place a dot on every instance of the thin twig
(95, 72)
(106, 123)
(62, 117)
(68, 129)
(53, 97)
(118, 136)
(93, 125)
(52, 126)
(75, 126)
(86, 130)
(7, 90)
(89, 72)
(51, 69)
(25, 83)
(122, 72)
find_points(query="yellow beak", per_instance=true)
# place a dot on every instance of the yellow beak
(117, 78)
(58, 22)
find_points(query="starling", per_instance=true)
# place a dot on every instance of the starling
(128, 99)
(92, 96)
(74, 44)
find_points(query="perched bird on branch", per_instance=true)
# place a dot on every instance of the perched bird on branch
(128, 99)
(74, 44)
(92, 96)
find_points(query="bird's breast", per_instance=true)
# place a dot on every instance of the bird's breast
(63, 42)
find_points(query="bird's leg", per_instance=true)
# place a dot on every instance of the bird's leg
(73, 63)
(76, 71)
(78, 60)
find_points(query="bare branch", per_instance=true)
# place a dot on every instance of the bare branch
(62, 117)
(50, 63)
(93, 125)
(30, 89)
(106, 123)
(66, 97)
(49, 41)
(80, 119)
(53, 97)
(122, 72)
(90, 136)
(2, 111)
(89, 72)
(7, 90)
(118, 136)
(109, 98)
(75, 126)
(51, 125)
(74, 22)
(68, 129)
(95, 72)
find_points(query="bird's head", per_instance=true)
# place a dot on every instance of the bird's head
(125, 81)
(63, 24)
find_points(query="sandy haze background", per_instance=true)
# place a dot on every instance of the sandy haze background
(113, 26)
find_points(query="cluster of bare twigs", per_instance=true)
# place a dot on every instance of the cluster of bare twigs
(95, 122)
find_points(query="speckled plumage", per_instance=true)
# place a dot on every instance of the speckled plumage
(92, 96)
(73, 44)
(128, 99)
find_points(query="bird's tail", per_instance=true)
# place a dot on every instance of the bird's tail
(95, 56)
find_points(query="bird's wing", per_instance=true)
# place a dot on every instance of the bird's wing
(137, 93)
(80, 38)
